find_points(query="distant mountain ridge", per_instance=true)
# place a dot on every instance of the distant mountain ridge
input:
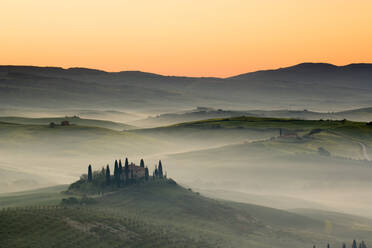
(312, 68)
(308, 85)
(302, 67)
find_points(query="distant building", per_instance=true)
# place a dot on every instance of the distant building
(138, 172)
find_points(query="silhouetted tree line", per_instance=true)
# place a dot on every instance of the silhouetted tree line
(124, 175)
(354, 244)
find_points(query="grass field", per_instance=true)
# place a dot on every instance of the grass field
(38, 197)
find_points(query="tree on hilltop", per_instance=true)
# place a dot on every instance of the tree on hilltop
(146, 174)
(120, 172)
(90, 176)
(126, 170)
(108, 175)
(120, 168)
(117, 173)
(142, 163)
(116, 169)
(155, 172)
(160, 169)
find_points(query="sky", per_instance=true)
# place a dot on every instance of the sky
(184, 37)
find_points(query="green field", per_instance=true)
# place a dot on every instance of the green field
(341, 138)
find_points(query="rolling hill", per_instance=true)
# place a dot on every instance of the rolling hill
(56, 154)
(243, 129)
(309, 85)
(256, 160)
(166, 215)
(73, 120)
(241, 154)
(203, 113)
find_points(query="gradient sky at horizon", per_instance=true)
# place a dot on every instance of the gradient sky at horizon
(185, 37)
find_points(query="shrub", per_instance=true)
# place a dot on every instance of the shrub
(323, 152)
(70, 201)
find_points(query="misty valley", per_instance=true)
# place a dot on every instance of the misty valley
(279, 158)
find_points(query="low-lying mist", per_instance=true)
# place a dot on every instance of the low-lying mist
(229, 161)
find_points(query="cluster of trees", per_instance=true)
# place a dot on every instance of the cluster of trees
(355, 244)
(123, 175)
(158, 171)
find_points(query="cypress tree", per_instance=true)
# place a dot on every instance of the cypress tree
(108, 175)
(90, 176)
(142, 163)
(328, 246)
(116, 169)
(354, 244)
(343, 245)
(120, 167)
(103, 171)
(126, 170)
(117, 174)
(364, 244)
(120, 172)
(146, 174)
(160, 169)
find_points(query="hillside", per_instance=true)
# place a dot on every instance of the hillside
(246, 129)
(311, 160)
(37, 197)
(55, 155)
(71, 140)
(203, 113)
(13, 179)
(74, 120)
(315, 86)
(166, 215)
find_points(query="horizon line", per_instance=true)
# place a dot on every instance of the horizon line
(164, 75)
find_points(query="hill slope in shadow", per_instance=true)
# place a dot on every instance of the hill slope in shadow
(308, 85)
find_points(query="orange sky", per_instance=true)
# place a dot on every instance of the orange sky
(184, 37)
